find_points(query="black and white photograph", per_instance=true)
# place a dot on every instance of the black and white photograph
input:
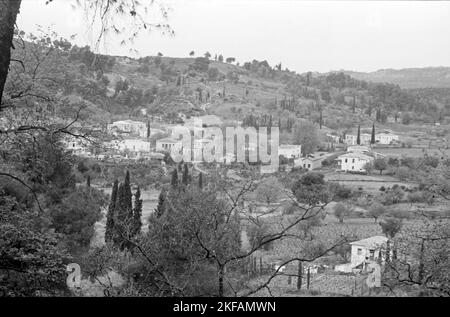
(240, 150)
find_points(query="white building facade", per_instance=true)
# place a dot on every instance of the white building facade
(167, 144)
(352, 139)
(128, 126)
(290, 150)
(354, 161)
(386, 138)
(365, 251)
(134, 145)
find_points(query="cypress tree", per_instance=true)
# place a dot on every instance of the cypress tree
(200, 181)
(185, 177)
(137, 213)
(120, 204)
(111, 213)
(358, 138)
(354, 104)
(128, 197)
(372, 140)
(320, 119)
(120, 216)
(159, 211)
(174, 181)
(88, 181)
(148, 129)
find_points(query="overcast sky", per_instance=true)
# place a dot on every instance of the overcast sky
(302, 35)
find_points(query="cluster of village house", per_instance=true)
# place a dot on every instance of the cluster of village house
(363, 255)
(131, 139)
(364, 252)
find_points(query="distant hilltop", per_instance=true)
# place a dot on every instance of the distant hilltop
(408, 78)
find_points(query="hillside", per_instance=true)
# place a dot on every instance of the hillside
(168, 87)
(254, 93)
(429, 77)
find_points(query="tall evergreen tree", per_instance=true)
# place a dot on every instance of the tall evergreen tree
(185, 178)
(159, 211)
(200, 181)
(148, 129)
(128, 197)
(137, 213)
(121, 211)
(358, 138)
(88, 181)
(354, 104)
(320, 119)
(109, 232)
(372, 139)
(120, 218)
(174, 181)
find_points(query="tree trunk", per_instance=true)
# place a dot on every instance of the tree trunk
(299, 275)
(8, 14)
(421, 264)
(221, 274)
(308, 278)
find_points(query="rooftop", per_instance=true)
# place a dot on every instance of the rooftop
(128, 121)
(356, 155)
(372, 242)
(168, 140)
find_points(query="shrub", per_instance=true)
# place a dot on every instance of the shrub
(421, 197)
(342, 210)
(403, 173)
(400, 214)
(376, 211)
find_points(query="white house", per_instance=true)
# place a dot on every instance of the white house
(351, 139)
(354, 161)
(364, 251)
(334, 138)
(111, 145)
(308, 163)
(134, 145)
(77, 146)
(385, 138)
(167, 144)
(290, 150)
(312, 161)
(128, 126)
